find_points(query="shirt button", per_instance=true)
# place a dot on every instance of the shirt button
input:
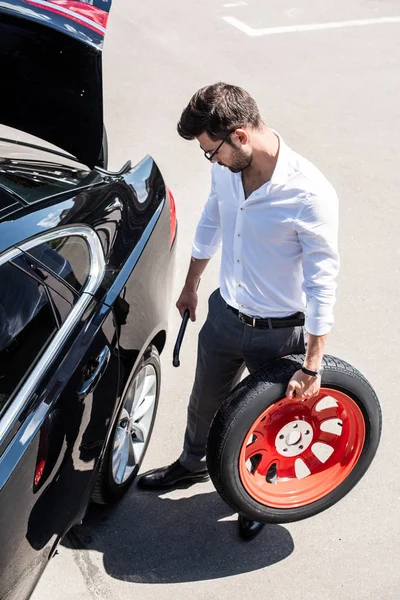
(238, 234)
(242, 208)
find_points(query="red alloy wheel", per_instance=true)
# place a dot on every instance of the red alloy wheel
(297, 452)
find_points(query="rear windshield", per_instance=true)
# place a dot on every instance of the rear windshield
(34, 181)
(8, 203)
(34, 174)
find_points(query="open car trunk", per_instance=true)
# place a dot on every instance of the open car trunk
(51, 72)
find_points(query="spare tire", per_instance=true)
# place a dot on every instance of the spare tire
(278, 460)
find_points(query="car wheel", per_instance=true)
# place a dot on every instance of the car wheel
(132, 431)
(278, 460)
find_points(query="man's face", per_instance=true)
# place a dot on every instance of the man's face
(236, 155)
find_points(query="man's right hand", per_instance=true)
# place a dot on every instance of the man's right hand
(188, 300)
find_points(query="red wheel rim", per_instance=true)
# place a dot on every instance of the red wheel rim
(297, 452)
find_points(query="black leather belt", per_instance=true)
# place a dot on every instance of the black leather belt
(258, 322)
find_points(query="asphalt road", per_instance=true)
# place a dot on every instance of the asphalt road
(333, 94)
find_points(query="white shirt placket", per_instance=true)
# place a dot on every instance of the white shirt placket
(238, 255)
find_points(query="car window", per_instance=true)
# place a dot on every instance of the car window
(40, 305)
(8, 203)
(62, 298)
(27, 324)
(67, 257)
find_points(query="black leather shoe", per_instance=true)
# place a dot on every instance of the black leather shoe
(168, 477)
(248, 529)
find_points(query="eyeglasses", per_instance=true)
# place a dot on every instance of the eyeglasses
(209, 154)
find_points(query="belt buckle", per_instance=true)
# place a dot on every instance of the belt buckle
(242, 319)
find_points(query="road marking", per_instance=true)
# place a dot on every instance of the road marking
(235, 4)
(300, 28)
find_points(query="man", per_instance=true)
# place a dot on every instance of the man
(277, 219)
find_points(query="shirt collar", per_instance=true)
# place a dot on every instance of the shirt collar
(280, 174)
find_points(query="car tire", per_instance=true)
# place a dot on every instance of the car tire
(112, 481)
(262, 447)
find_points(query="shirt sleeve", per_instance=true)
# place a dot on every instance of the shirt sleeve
(317, 229)
(208, 233)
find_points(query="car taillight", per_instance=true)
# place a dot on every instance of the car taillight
(41, 457)
(172, 218)
(91, 16)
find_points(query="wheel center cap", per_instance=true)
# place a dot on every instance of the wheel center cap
(293, 438)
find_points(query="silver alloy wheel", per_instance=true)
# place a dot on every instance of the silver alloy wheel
(134, 423)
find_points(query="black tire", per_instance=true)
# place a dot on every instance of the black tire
(246, 404)
(106, 490)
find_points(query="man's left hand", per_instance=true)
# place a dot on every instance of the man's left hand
(303, 386)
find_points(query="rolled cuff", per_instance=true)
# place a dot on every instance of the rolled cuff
(318, 325)
(201, 251)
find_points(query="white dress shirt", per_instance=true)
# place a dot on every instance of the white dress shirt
(279, 246)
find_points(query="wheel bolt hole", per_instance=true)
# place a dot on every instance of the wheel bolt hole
(301, 447)
(307, 432)
(295, 426)
(281, 437)
(285, 449)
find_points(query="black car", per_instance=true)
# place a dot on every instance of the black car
(86, 264)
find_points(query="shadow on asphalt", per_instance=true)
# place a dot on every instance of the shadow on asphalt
(149, 538)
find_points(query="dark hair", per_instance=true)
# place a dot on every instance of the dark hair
(216, 110)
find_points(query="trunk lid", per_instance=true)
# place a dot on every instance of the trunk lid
(50, 61)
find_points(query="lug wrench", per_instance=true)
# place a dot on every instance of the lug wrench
(175, 360)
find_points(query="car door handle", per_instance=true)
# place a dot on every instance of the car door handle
(94, 371)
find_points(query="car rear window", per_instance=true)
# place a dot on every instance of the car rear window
(27, 324)
(8, 203)
(67, 257)
(63, 298)
(33, 181)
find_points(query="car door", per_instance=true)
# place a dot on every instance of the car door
(59, 372)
